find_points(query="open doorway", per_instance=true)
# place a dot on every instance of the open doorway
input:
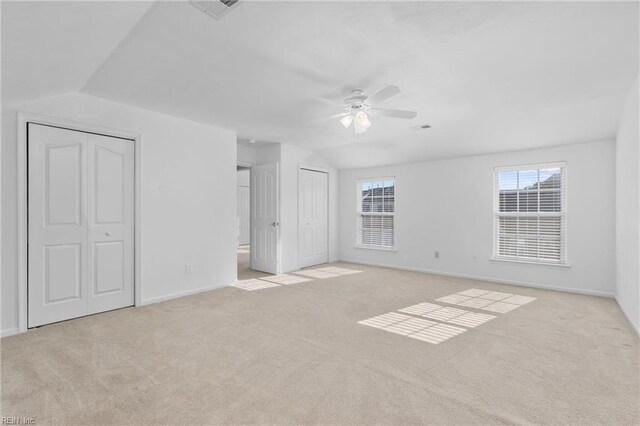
(243, 220)
(244, 225)
(244, 207)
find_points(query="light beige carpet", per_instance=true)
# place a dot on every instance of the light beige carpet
(244, 269)
(297, 355)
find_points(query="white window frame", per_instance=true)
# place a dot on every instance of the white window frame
(563, 214)
(360, 214)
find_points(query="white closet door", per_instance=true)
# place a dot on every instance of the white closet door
(313, 218)
(57, 225)
(110, 221)
(75, 192)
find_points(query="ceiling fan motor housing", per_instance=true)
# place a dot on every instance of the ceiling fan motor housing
(356, 100)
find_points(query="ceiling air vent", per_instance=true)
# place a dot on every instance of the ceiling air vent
(215, 8)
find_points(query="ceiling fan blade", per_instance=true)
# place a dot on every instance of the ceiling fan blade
(395, 113)
(383, 94)
(328, 118)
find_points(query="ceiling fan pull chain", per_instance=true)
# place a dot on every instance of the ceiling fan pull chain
(355, 133)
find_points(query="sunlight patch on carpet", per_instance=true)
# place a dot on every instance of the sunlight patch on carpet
(338, 270)
(453, 299)
(415, 328)
(473, 292)
(285, 279)
(448, 314)
(253, 284)
(492, 301)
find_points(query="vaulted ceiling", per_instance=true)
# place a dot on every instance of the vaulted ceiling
(52, 48)
(486, 76)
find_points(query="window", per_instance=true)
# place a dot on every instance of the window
(376, 209)
(530, 213)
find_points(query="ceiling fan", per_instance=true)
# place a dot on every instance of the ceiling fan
(359, 107)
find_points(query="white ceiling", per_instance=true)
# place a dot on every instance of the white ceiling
(488, 77)
(51, 48)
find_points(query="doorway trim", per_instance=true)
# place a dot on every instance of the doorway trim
(302, 166)
(244, 166)
(23, 121)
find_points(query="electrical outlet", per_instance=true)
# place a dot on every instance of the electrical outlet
(188, 268)
(436, 254)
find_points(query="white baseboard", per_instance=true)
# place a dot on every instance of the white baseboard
(488, 279)
(631, 324)
(13, 331)
(8, 332)
(158, 299)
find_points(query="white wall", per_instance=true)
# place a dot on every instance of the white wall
(628, 210)
(246, 155)
(9, 288)
(447, 206)
(244, 177)
(291, 157)
(188, 197)
(267, 154)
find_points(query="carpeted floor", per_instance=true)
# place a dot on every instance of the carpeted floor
(296, 354)
(244, 269)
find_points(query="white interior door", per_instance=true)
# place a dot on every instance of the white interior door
(110, 179)
(313, 218)
(244, 231)
(57, 225)
(265, 218)
(80, 224)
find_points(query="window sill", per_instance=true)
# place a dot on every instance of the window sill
(381, 248)
(528, 262)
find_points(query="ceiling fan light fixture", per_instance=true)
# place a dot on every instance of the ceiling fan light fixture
(346, 120)
(362, 118)
(362, 122)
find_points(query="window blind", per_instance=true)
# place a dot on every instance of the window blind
(530, 213)
(376, 210)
